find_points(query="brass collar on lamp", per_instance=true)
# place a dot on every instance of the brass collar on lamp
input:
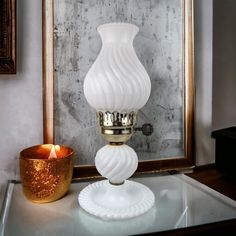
(117, 127)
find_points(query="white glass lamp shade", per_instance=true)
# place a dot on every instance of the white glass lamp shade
(117, 81)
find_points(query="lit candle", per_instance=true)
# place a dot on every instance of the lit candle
(53, 153)
(46, 172)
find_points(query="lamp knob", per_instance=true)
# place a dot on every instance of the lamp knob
(147, 129)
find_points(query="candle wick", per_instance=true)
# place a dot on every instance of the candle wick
(52, 153)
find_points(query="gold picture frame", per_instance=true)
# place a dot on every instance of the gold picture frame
(168, 164)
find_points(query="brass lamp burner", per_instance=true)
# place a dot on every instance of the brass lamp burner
(117, 127)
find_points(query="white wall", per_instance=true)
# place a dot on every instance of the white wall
(21, 94)
(203, 77)
(224, 73)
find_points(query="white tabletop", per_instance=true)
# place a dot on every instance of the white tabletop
(180, 202)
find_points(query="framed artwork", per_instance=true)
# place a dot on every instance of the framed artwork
(7, 36)
(164, 45)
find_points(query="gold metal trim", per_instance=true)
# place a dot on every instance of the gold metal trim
(114, 138)
(116, 184)
(189, 87)
(48, 70)
(117, 119)
(116, 126)
(116, 143)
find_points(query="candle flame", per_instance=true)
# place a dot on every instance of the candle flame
(53, 153)
(57, 148)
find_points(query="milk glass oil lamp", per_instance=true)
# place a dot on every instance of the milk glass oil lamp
(117, 86)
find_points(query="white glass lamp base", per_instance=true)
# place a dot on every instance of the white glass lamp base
(116, 202)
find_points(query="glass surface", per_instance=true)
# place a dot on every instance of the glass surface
(180, 202)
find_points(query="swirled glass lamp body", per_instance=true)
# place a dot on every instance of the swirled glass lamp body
(117, 86)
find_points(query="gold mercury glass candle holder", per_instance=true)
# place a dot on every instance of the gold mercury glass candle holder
(46, 172)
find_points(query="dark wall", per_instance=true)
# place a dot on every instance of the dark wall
(224, 63)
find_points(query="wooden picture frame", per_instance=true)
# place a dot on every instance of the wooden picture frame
(7, 37)
(168, 164)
